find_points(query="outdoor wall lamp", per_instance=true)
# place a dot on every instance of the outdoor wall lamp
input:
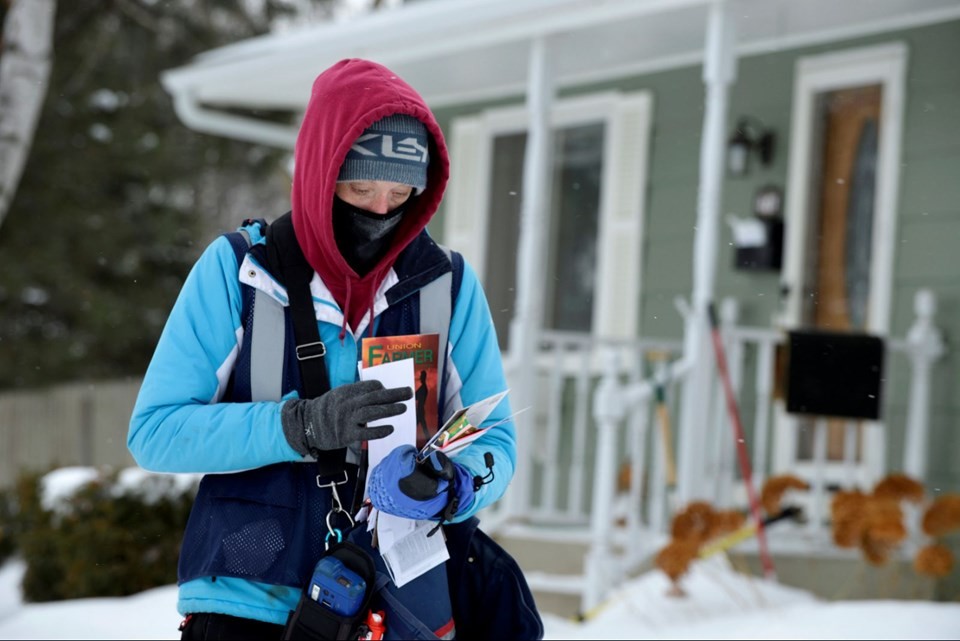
(749, 135)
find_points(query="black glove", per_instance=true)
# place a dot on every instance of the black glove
(339, 417)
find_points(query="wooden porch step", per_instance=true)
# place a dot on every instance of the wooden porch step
(553, 565)
(552, 556)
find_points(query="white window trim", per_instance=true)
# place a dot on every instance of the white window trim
(622, 202)
(884, 65)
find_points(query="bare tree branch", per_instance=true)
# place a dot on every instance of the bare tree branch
(92, 57)
(139, 15)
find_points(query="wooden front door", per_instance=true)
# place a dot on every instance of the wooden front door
(837, 285)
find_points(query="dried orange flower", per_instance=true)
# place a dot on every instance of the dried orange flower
(934, 560)
(693, 522)
(774, 489)
(943, 515)
(883, 520)
(724, 522)
(847, 532)
(889, 531)
(874, 551)
(900, 487)
(846, 503)
(675, 558)
(847, 511)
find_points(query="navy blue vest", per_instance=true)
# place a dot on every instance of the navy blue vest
(268, 524)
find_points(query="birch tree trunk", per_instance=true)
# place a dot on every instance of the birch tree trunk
(25, 61)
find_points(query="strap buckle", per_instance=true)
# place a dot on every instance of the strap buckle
(331, 481)
(311, 350)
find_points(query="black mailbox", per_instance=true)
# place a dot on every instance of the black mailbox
(834, 374)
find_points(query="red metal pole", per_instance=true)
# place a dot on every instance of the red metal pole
(745, 470)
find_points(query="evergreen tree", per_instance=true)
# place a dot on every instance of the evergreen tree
(118, 198)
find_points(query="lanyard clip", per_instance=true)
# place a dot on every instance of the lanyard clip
(336, 508)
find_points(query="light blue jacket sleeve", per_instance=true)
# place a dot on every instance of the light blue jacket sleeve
(476, 373)
(177, 424)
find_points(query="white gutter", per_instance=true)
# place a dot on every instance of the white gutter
(212, 121)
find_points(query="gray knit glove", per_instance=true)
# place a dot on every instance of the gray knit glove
(338, 418)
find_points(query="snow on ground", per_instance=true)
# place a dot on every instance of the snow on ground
(148, 615)
(720, 604)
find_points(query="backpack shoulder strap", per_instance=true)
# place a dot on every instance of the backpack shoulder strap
(265, 318)
(288, 264)
(436, 307)
(436, 299)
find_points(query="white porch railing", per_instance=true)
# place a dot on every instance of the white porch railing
(595, 409)
(561, 466)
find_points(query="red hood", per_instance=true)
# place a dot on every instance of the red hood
(346, 99)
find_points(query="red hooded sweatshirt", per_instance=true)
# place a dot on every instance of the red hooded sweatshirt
(346, 99)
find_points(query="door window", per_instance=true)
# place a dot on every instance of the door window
(572, 250)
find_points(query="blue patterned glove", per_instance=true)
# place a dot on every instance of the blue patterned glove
(435, 487)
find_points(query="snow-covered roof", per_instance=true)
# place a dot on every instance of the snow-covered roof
(457, 51)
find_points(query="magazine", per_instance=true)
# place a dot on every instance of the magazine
(423, 350)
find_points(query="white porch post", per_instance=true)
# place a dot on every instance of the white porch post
(534, 221)
(609, 406)
(719, 72)
(924, 347)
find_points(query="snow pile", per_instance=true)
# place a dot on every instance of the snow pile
(722, 603)
(59, 486)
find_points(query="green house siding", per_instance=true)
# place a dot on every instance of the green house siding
(928, 216)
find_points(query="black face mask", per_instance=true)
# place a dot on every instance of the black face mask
(363, 237)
